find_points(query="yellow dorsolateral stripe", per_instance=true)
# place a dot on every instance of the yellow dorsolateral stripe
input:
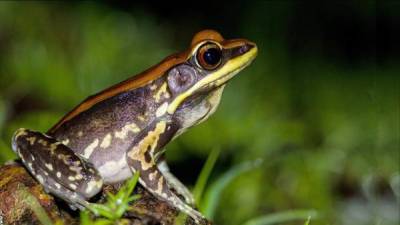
(230, 67)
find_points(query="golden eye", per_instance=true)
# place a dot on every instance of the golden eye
(209, 56)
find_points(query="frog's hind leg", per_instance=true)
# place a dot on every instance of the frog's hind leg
(57, 167)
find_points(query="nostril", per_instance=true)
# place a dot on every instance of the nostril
(245, 48)
(241, 50)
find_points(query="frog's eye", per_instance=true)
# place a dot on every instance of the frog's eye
(209, 56)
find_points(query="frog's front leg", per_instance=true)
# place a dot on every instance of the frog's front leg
(141, 158)
(57, 167)
(174, 182)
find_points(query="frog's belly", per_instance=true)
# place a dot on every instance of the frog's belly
(114, 171)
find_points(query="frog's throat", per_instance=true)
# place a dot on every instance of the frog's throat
(217, 78)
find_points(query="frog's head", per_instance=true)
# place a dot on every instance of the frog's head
(210, 62)
(197, 82)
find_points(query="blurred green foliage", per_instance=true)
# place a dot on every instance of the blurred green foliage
(327, 128)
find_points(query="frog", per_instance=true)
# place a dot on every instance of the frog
(125, 128)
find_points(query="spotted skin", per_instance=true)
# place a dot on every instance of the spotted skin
(125, 128)
(56, 167)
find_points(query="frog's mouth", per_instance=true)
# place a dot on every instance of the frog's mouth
(219, 77)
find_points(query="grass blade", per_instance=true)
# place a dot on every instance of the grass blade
(117, 204)
(212, 196)
(205, 174)
(34, 205)
(281, 217)
(85, 218)
(201, 182)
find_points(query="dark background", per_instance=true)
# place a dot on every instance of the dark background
(319, 106)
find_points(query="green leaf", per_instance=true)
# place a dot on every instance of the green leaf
(111, 196)
(102, 210)
(85, 217)
(308, 221)
(180, 219)
(282, 217)
(116, 205)
(134, 198)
